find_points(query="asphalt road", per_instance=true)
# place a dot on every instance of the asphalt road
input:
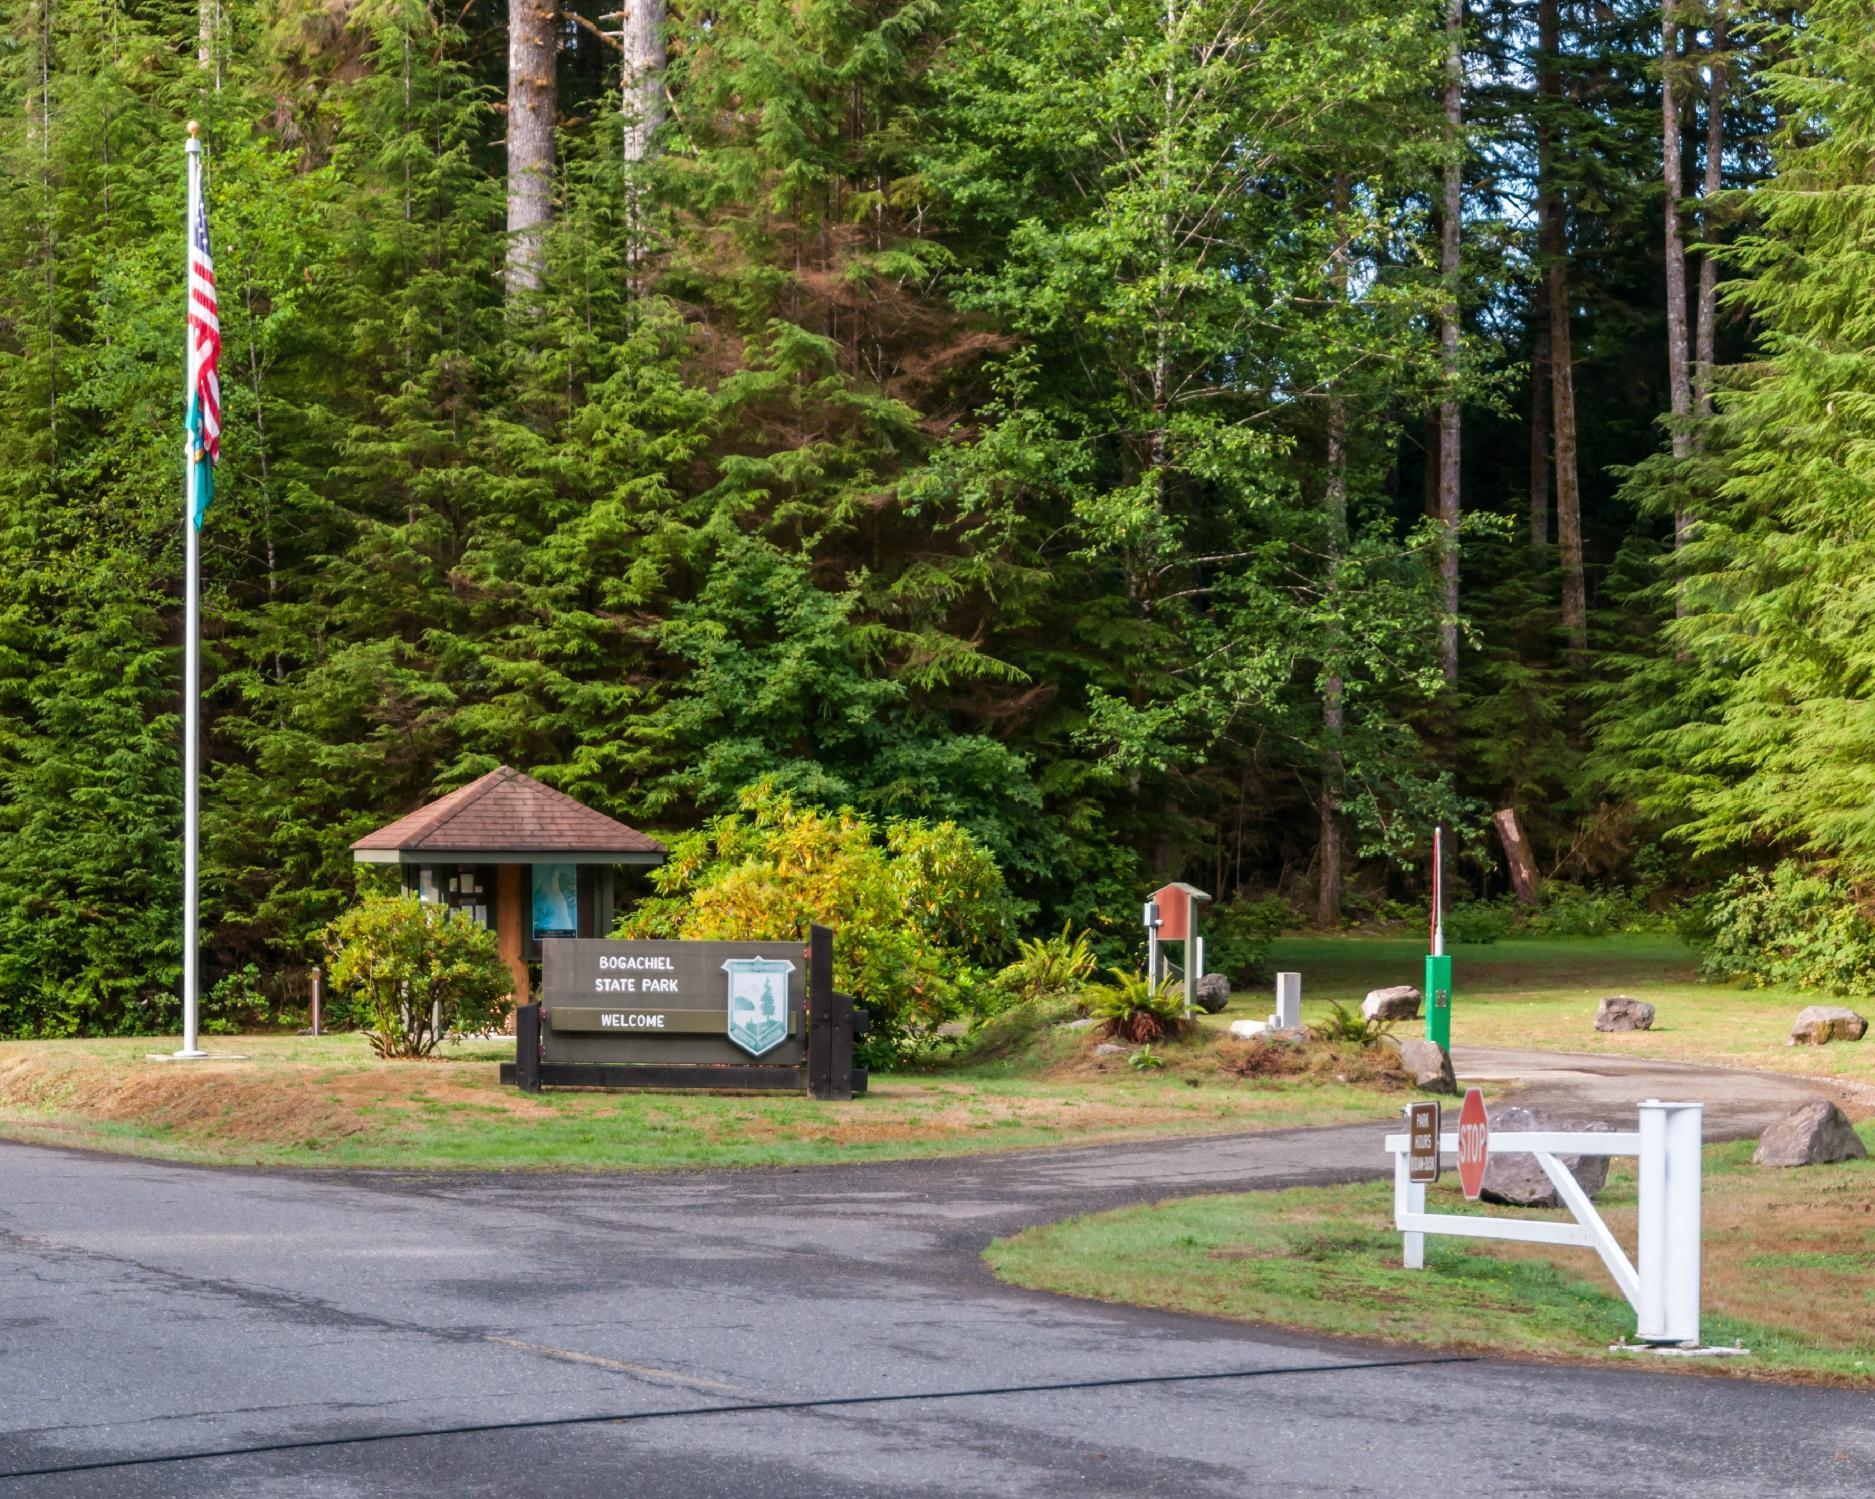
(167, 1330)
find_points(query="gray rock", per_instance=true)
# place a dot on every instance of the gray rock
(1814, 1135)
(1213, 993)
(1518, 1181)
(1248, 1029)
(1401, 1002)
(1084, 1023)
(1619, 1013)
(1429, 1065)
(1110, 1049)
(1818, 1025)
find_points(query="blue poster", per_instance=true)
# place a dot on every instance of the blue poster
(556, 901)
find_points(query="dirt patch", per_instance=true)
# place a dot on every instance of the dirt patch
(283, 1105)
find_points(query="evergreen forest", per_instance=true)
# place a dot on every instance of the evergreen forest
(1202, 439)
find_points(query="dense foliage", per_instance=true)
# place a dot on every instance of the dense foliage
(1014, 425)
(919, 909)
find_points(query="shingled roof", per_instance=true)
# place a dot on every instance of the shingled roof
(507, 818)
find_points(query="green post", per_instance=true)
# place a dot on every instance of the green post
(1439, 999)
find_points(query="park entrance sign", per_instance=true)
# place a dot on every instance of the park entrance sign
(734, 1015)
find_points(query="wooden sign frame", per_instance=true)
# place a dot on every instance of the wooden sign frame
(826, 1071)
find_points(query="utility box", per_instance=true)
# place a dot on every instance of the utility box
(1439, 999)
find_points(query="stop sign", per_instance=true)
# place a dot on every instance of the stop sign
(1474, 1129)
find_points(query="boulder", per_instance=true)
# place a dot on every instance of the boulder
(1813, 1135)
(1401, 1002)
(1085, 1022)
(1429, 1064)
(1518, 1181)
(1818, 1025)
(1111, 1049)
(1213, 993)
(1619, 1013)
(1248, 1028)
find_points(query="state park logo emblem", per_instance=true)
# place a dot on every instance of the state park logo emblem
(758, 1002)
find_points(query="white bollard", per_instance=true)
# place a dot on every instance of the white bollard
(1288, 1002)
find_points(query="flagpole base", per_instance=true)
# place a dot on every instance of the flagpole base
(176, 1056)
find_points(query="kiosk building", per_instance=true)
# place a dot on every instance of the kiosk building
(526, 860)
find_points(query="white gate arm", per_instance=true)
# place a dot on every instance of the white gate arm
(1664, 1290)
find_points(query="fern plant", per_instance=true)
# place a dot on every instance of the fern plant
(1346, 1025)
(1048, 966)
(1131, 1009)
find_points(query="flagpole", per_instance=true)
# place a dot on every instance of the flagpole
(194, 458)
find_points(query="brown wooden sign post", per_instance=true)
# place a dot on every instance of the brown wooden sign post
(715, 1015)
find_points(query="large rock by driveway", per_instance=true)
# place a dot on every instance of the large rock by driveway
(1401, 1002)
(1814, 1135)
(1429, 1065)
(1518, 1181)
(1213, 993)
(1818, 1025)
(1619, 1013)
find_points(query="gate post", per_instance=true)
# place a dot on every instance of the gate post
(527, 1048)
(1669, 1228)
(821, 1001)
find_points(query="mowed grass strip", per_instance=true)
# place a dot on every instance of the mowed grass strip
(1541, 994)
(297, 1101)
(1789, 1269)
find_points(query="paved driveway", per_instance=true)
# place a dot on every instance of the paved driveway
(812, 1332)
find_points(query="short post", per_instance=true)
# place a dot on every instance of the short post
(1408, 1197)
(1194, 957)
(841, 1048)
(820, 1004)
(318, 987)
(1288, 1016)
(1152, 921)
(527, 1048)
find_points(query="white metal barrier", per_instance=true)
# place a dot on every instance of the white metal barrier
(1663, 1288)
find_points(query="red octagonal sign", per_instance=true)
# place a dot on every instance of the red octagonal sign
(1474, 1130)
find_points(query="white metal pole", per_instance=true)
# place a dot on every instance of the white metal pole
(1651, 1235)
(1684, 1128)
(191, 679)
(1438, 892)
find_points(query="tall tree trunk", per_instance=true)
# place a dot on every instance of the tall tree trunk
(1540, 357)
(1672, 151)
(1553, 247)
(533, 50)
(1448, 334)
(642, 105)
(1328, 881)
(49, 228)
(1705, 328)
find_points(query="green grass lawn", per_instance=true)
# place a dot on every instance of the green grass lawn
(1541, 993)
(1787, 1256)
(296, 1101)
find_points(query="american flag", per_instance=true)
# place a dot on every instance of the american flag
(204, 386)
